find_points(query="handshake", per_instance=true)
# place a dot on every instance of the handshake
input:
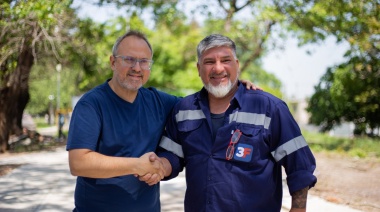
(152, 169)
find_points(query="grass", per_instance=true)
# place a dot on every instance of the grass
(41, 122)
(362, 147)
(42, 125)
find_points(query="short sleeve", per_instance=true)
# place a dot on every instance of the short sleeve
(85, 127)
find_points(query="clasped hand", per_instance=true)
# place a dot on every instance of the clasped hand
(151, 169)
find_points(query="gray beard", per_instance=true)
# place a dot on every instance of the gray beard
(219, 91)
(131, 84)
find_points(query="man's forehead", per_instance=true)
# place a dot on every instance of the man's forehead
(135, 45)
(220, 51)
(133, 40)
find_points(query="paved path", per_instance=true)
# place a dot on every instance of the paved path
(44, 183)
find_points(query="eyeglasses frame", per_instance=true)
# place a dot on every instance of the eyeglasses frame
(136, 61)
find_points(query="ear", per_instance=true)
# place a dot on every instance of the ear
(112, 62)
(198, 67)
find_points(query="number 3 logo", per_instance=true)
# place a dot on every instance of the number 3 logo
(244, 152)
(240, 152)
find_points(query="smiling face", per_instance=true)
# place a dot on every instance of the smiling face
(219, 70)
(131, 78)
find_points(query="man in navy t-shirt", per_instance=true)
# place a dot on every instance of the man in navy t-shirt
(114, 130)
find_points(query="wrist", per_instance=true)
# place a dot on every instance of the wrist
(167, 166)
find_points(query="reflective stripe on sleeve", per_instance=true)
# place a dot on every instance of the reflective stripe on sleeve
(289, 147)
(183, 115)
(171, 146)
(251, 118)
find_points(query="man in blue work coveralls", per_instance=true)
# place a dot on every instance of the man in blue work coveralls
(233, 141)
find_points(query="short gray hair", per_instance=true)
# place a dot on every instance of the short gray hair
(215, 40)
(135, 33)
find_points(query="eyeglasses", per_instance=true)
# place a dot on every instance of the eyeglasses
(231, 147)
(130, 62)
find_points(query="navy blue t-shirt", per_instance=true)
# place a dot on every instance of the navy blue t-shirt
(105, 123)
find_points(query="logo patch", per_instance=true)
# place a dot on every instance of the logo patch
(243, 152)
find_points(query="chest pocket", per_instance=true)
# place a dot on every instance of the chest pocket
(250, 134)
(251, 146)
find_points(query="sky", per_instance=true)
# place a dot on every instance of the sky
(298, 71)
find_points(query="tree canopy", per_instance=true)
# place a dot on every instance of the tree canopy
(350, 91)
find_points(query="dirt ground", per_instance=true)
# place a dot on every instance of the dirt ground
(349, 181)
(342, 180)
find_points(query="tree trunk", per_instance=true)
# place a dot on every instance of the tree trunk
(14, 96)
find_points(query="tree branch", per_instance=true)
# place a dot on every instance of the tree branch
(260, 47)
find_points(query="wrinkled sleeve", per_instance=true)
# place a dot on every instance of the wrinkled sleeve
(170, 146)
(290, 149)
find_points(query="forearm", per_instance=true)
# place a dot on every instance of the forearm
(87, 163)
(299, 199)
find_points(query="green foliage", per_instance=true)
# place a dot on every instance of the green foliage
(34, 25)
(44, 11)
(315, 20)
(359, 147)
(86, 56)
(43, 83)
(174, 69)
(41, 86)
(324, 112)
(41, 122)
(350, 91)
(83, 67)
